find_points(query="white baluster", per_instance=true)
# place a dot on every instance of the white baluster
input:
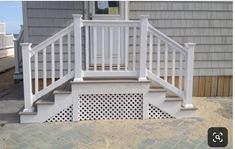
(69, 52)
(36, 72)
(87, 47)
(103, 57)
(173, 67)
(111, 48)
(119, 48)
(61, 57)
(44, 69)
(158, 56)
(150, 51)
(180, 70)
(166, 61)
(28, 97)
(126, 46)
(95, 47)
(53, 62)
(134, 48)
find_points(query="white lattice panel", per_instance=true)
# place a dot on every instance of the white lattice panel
(65, 115)
(156, 113)
(110, 106)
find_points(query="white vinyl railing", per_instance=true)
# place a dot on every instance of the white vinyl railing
(61, 42)
(173, 53)
(106, 53)
(104, 40)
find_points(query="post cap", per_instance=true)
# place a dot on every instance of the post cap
(77, 15)
(26, 44)
(144, 16)
(189, 44)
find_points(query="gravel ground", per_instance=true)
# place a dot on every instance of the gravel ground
(107, 134)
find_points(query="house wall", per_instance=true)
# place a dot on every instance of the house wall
(43, 19)
(209, 24)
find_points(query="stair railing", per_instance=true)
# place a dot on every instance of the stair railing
(174, 71)
(56, 44)
(51, 52)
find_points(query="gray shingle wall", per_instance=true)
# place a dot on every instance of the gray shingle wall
(47, 18)
(209, 24)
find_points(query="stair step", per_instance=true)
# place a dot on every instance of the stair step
(28, 113)
(61, 92)
(188, 109)
(170, 99)
(157, 90)
(44, 102)
(91, 81)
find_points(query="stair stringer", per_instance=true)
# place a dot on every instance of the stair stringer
(46, 111)
(158, 99)
(154, 97)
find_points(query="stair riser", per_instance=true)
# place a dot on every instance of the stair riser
(185, 114)
(60, 97)
(170, 107)
(44, 112)
(62, 101)
(29, 119)
(154, 98)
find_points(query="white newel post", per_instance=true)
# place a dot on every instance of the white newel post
(143, 46)
(188, 85)
(77, 20)
(28, 97)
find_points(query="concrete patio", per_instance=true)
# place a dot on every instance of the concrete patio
(170, 133)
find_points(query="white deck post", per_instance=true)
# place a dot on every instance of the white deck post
(143, 46)
(28, 97)
(188, 85)
(77, 19)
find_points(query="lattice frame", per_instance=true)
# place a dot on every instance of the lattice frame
(65, 115)
(156, 113)
(110, 106)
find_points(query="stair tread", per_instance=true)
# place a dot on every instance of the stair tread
(61, 92)
(44, 102)
(27, 113)
(188, 109)
(111, 81)
(157, 89)
(49, 98)
(169, 99)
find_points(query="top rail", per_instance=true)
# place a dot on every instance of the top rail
(165, 38)
(52, 39)
(110, 23)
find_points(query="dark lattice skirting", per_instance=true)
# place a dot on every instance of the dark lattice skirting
(65, 115)
(156, 113)
(110, 106)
